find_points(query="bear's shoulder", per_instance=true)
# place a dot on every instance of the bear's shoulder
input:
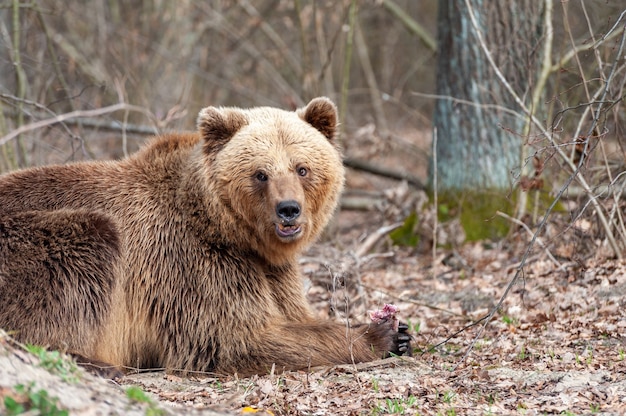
(168, 144)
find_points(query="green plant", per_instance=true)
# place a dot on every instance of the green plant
(37, 402)
(405, 235)
(509, 320)
(595, 408)
(414, 327)
(136, 394)
(56, 363)
(448, 397)
(375, 384)
(395, 406)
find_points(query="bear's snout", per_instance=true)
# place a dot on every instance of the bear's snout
(288, 211)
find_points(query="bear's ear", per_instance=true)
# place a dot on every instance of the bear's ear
(218, 125)
(321, 113)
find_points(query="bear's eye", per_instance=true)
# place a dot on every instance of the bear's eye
(302, 171)
(261, 177)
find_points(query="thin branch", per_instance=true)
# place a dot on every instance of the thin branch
(373, 238)
(529, 231)
(74, 114)
(347, 59)
(584, 47)
(435, 202)
(411, 25)
(495, 107)
(418, 303)
(370, 77)
(266, 28)
(21, 80)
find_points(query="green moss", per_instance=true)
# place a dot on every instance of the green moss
(478, 210)
(406, 235)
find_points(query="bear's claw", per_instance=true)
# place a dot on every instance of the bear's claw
(402, 340)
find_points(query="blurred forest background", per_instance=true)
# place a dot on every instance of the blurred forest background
(173, 58)
(112, 73)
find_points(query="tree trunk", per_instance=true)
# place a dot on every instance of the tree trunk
(478, 142)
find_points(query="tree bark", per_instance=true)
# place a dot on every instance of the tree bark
(479, 139)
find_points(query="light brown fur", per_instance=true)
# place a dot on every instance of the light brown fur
(173, 257)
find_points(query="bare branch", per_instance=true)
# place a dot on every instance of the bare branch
(74, 114)
(411, 25)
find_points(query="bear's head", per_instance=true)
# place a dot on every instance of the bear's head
(274, 176)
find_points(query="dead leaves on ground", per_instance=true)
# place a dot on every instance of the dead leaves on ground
(557, 345)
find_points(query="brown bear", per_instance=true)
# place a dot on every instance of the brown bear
(184, 255)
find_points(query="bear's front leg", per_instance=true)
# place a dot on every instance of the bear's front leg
(310, 344)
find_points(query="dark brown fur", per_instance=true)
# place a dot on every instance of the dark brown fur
(171, 258)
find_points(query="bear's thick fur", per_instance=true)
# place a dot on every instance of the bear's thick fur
(184, 255)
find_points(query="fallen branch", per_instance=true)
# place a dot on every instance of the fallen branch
(382, 171)
(374, 238)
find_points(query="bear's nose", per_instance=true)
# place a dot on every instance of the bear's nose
(288, 210)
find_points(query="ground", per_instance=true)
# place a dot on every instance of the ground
(556, 346)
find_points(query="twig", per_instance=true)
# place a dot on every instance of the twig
(374, 237)
(347, 59)
(537, 93)
(74, 114)
(91, 123)
(465, 328)
(20, 80)
(529, 231)
(435, 200)
(370, 77)
(495, 107)
(418, 303)
(411, 25)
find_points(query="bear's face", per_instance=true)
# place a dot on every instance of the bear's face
(277, 175)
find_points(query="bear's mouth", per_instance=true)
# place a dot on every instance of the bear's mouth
(287, 230)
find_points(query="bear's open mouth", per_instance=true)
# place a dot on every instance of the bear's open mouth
(287, 230)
